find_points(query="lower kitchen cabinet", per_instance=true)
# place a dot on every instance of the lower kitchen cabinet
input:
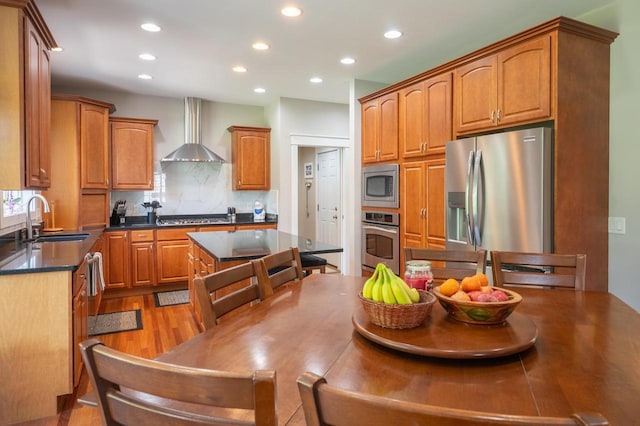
(116, 259)
(143, 262)
(80, 309)
(172, 253)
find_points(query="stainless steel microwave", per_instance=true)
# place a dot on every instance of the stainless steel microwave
(380, 186)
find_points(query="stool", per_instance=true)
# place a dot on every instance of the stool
(310, 262)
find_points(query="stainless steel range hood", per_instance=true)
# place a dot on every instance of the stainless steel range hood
(193, 150)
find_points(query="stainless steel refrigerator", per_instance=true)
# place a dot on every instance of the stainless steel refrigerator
(499, 191)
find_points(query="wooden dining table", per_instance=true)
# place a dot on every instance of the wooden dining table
(585, 358)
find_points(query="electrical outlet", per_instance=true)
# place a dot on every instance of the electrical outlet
(617, 225)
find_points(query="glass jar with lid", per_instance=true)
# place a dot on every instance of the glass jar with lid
(418, 274)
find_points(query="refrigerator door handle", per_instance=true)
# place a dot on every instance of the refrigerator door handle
(467, 200)
(477, 170)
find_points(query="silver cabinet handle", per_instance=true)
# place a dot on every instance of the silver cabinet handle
(499, 115)
(492, 116)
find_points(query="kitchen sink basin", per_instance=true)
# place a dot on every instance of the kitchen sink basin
(61, 237)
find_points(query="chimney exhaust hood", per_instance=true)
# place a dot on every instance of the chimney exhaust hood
(193, 150)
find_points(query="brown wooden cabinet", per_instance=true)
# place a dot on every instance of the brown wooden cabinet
(131, 153)
(422, 204)
(425, 117)
(79, 158)
(117, 259)
(380, 129)
(143, 257)
(25, 84)
(173, 254)
(504, 89)
(80, 312)
(250, 151)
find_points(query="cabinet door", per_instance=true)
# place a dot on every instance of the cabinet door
(94, 147)
(131, 155)
(251, 160)
(413, 204)
(94, 210)
(80, 332)
(142, 264)
(370, 132)
(475, 95)
(438, 123)
(435, 199)
(524, 82)
(172, 261)
(117, 259)
(388, 142)
(412, 117)
(37, 108)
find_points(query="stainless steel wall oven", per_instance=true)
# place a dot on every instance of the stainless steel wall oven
(380, 240)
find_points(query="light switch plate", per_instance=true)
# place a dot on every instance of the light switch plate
(617, 225)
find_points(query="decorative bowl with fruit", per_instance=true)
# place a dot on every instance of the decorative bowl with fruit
(476, 302)
(390, 303)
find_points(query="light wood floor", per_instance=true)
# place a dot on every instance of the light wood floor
(163, 328)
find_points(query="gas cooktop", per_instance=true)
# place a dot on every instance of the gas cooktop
(191, 221)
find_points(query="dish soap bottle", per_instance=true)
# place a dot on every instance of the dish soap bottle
(258, 212)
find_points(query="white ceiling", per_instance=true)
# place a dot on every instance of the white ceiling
(201, 40)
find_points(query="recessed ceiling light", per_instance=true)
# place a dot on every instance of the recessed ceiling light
(260, 45)
(259, 90)
(57, 49)
(147, 57)
(393, 34)
(291, 11)
(315, 80)
(148, 26)
(239, 68)
(347, 61)
(144, 76)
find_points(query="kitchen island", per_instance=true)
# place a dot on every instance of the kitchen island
(213, 251)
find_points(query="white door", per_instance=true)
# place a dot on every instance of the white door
(328, 194)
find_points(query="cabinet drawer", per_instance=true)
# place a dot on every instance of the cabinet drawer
(142, 235)
(173, 233)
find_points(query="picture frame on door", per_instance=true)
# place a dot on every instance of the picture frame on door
(308, 170)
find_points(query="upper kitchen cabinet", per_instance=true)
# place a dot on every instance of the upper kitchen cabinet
(131, 153)
(380, 129)
(505, 89)
(25, 84)
(79, 161)
(250, 151)
(425, 116)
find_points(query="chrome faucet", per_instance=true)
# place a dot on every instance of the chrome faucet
(46, 209)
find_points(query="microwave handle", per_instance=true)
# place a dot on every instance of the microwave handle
(376, 228)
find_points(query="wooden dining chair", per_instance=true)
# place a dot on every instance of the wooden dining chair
(213, 307)
(277, 269)
(324, 404)
(447, 264)
(539, 269)
(138, 391)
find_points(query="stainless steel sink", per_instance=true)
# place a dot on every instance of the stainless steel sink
(61, 237)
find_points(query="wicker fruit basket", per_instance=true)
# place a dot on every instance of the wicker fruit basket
(399, 316)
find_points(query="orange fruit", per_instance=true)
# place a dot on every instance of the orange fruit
(484, 281)
(470, 284)
(449, 287)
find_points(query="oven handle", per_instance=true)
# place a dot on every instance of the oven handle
(377, 228)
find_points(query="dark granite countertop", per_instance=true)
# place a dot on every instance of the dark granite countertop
(18, 257)
(140, 222)
(252, 244)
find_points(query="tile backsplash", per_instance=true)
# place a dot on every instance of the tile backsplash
(195, 188)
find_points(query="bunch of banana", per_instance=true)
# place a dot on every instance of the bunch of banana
(385, 286)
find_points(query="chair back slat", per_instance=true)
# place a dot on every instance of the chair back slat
(243, 289)
(277, 269)
(328, 405)
(447, 264)
(539, 269)
(146, 381)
